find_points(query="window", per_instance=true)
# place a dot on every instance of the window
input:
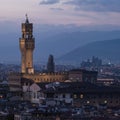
(88, 102)
(105, 101)
(75, 96)
(81, 96)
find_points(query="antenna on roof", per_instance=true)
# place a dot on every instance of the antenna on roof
(27, 21)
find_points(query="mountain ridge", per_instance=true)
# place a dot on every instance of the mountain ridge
(106, 49)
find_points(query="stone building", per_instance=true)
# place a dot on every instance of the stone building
(79, 94)
(27, 45)
(80, 75)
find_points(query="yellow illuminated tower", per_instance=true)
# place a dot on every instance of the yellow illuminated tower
(27, 45)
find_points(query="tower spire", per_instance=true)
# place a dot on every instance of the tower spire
(27, 21)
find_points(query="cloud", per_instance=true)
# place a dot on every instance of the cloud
(96, 5)
(46, 2)
(57, 9)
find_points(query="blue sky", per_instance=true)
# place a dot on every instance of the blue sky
(77, 12)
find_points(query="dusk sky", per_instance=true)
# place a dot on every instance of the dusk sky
(53, 17)
(78, 12)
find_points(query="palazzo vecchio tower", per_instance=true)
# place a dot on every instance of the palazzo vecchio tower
(27, 45)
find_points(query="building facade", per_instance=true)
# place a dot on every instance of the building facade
(80, 75)
(79, 94)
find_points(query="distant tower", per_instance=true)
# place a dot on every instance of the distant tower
(27, 45)
(50, 64)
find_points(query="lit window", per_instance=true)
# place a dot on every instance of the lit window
(1, 96)
(81, 96)
(88, 102)
(105, 101)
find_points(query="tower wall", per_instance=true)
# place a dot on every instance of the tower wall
(23, 55)
(27, 45)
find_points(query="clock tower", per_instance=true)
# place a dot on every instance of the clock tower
(27, 45)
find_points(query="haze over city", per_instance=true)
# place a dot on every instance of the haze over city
(54, 18)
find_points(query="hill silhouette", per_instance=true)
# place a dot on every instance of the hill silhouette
(107, 50)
